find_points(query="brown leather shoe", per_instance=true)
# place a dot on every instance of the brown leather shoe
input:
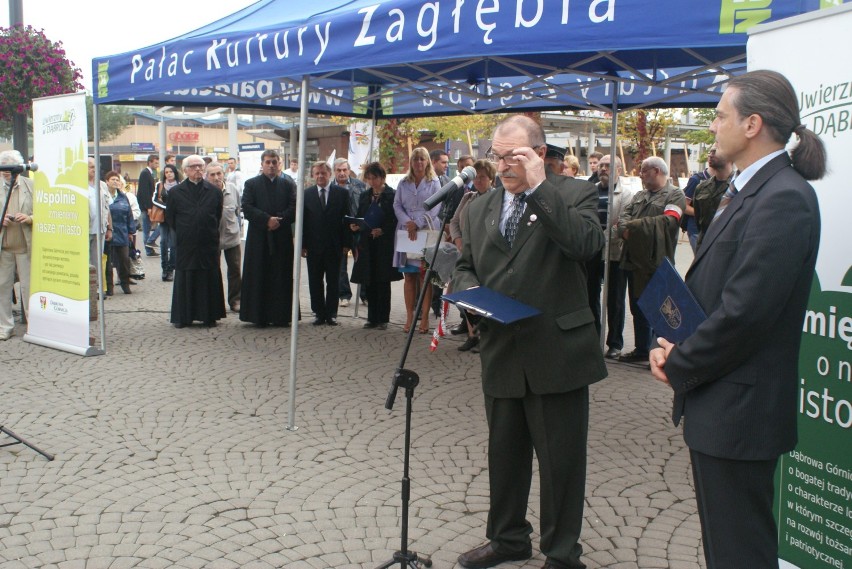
(484, 556)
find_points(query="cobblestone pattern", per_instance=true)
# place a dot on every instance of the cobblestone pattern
(173, 451)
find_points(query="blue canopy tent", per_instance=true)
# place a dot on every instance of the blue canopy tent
(413, 57)
(364, 55)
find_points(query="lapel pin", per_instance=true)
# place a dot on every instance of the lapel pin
(533, 217)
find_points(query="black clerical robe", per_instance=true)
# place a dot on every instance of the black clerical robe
(267, 292)
(193, 211)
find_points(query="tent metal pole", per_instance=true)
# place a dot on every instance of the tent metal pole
(613, 177)
(297, 248)
(99, 237)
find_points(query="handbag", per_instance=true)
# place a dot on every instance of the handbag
(137, 268)
(157, 215)
(433, 237)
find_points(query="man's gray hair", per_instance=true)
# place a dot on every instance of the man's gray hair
(196, 157)
(340, 161)
(11, 157)
(618, 163)
(535, 133)
(658, 163)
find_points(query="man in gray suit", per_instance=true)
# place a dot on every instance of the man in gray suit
(735, 379)
(530, 241)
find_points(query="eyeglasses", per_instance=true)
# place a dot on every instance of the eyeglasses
(509, 158)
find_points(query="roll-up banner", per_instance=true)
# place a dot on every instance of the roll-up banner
(814, 483)
(59, 289)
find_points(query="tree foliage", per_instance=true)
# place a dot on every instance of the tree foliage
(643, 131)
(459, 127)
(703, 117)
(32, 66)
(396, 137)
(112, 120)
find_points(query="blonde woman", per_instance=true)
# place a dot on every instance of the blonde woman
(571, 166)
(419, 183)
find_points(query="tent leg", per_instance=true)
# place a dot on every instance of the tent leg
(613, 168)
(297, 246)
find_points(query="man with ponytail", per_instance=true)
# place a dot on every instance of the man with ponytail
(735, 378)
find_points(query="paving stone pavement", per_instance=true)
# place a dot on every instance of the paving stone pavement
(172, 451)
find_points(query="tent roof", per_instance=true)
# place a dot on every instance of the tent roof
(410, 57)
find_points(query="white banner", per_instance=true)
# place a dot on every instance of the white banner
(813, 503)
(360, 134)
(59, 289)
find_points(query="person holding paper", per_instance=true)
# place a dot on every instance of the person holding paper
(735, 378)
(373, 266)
(529, 241)
(419, 183)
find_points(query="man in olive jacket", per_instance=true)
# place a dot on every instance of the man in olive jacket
(535, 372)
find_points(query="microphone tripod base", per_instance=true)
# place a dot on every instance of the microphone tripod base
(410, 559)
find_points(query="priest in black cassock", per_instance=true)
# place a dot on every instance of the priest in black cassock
(269, 205)
(193, 211)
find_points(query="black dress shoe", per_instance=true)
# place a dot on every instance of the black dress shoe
(471, 342)
(319, 321)
(370, 325)
(179, 325)
(210, 324)
(460, 328)
(612, 353)
(332, 322)
(634, 357)
(484, 556)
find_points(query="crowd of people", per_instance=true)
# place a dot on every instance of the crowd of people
(193, 212)
(541, 240)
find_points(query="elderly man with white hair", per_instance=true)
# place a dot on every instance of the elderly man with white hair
(193, 212)
(15, 241)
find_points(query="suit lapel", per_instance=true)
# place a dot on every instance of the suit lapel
(752, 187)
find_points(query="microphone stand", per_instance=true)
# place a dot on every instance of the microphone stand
(18, 440)
(408, 380)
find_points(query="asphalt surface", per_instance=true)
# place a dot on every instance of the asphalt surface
(172, 450)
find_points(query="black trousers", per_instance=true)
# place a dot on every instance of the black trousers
(378, 302)
(615, 306)
(735, 508)
(641, 326)
(324, 265)
(556, 427)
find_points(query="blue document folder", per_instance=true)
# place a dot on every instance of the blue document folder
(491, 304)
(374, 217)
(669, 306)
(359, 221)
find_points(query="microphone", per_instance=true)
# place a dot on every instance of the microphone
(19, 168)
(460, 180)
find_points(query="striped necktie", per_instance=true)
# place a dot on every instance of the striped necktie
(726, 199)
(514, 218)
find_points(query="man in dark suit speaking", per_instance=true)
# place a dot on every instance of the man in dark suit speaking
(530, 242)
(735, 379)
